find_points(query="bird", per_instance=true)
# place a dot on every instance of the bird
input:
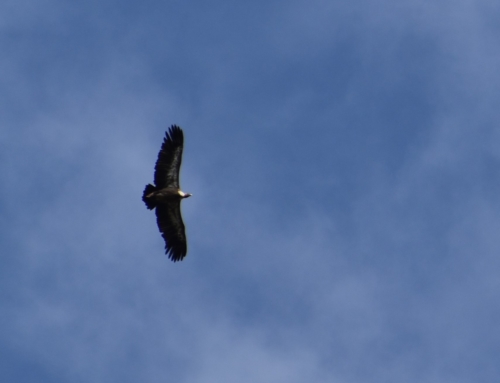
(165, 195)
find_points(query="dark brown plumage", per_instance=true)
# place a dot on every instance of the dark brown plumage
(166, 194)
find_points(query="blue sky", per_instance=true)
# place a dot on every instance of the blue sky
(345, 168)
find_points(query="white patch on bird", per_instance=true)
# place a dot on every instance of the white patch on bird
(181, 193)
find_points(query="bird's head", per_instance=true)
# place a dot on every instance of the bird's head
(184, 195)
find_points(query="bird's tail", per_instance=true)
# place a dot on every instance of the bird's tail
(150, 202)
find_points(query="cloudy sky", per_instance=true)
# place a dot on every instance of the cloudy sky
(344, 160)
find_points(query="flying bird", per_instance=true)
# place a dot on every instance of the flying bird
(165, 195)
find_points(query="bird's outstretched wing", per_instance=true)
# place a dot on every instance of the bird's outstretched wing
(169, 159)
(169, 219)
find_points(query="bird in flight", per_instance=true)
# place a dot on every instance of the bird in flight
(165, 195)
